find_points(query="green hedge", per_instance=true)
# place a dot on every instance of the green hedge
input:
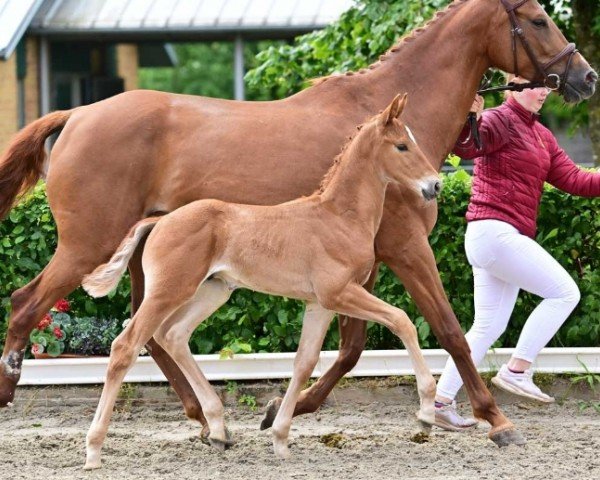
(569, 228)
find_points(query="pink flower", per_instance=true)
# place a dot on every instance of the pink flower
(35, 349)
(62, 305)
(44, 322)
(58, 333)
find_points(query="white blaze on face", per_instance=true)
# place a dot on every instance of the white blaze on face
(410, 134)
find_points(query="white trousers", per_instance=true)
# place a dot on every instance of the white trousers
(503, 262)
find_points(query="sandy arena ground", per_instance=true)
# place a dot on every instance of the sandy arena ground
(43, 437)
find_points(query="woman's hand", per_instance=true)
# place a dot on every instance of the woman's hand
(477, 107)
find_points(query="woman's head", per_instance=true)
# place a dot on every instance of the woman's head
(532, 99)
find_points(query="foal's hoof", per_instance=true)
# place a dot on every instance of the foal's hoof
(271, 413)
(204, 434)
(220, 444)
(424, 427)
(423, 434)
(92, 464)
(506, 437)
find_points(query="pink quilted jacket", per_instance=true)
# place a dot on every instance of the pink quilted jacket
(519, 154)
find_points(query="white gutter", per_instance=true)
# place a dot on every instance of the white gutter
(260, 366)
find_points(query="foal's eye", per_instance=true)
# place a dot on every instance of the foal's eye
(540, 22)
(402, 147)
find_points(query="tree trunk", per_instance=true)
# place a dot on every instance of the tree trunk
(586, 13)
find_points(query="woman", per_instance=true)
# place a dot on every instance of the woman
(518, 155)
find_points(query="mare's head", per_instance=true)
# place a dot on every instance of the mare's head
(523, 39)
(398, 157)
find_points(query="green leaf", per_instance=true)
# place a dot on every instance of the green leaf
(54, 349)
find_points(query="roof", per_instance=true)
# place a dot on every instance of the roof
(183, 19)
(15, 16)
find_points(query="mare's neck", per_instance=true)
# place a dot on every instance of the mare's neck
(440, 67)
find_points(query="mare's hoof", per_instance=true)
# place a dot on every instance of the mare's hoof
(509, 436)
(271, 413)
(222, 445)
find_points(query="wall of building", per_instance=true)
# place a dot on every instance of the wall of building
(127, 65)
(32, 91)
(9, 114)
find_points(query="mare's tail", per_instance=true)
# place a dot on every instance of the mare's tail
(21, 165)
(106, 277)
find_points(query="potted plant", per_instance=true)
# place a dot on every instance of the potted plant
(91, 336)
(60, 334)
(47, 339)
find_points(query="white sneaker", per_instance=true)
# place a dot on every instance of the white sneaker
(447, 417)
(520, 384)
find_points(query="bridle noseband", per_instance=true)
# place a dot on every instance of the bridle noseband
(552, 81)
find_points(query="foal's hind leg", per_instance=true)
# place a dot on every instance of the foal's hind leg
(357, 302)
(29, 304)
(172, 372)
(314, 326)
(125, 349)
(173, 336)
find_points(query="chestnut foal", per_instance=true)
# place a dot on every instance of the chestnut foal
(318, 249)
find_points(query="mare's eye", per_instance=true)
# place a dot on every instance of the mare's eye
(540, 22)
(402, 147)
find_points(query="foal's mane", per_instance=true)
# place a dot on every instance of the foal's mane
(395, 48)
(338, 161)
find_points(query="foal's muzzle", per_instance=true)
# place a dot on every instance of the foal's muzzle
(431, 188)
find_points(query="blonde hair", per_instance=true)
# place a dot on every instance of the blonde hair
(510, 77)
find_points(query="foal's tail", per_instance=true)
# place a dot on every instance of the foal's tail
(21, 165)
(106, 277)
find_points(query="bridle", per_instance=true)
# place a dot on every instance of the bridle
(551, 81)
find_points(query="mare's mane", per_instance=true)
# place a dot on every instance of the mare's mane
(395, 48)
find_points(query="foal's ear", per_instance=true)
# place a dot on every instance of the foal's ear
(393, 110)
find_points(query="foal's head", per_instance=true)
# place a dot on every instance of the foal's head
(397, 154)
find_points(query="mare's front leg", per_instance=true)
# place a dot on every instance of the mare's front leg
(314, 327)
(402, 244)
(171, 370)
(353, 335)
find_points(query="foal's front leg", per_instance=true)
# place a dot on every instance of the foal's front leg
(355, 301)
(353, 335)
(314, 327)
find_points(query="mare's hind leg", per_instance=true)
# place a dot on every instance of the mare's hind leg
(357, 302)
(173, 335)
(29, 304)
(314, 326)
(172, 372)
(125, 349)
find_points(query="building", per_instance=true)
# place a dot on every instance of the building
(62, 53)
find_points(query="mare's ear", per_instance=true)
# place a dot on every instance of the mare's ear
(393, 110)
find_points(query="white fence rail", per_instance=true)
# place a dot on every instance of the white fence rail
(261, 366)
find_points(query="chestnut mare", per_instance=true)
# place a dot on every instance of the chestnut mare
(318, 249)
(143, 153)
